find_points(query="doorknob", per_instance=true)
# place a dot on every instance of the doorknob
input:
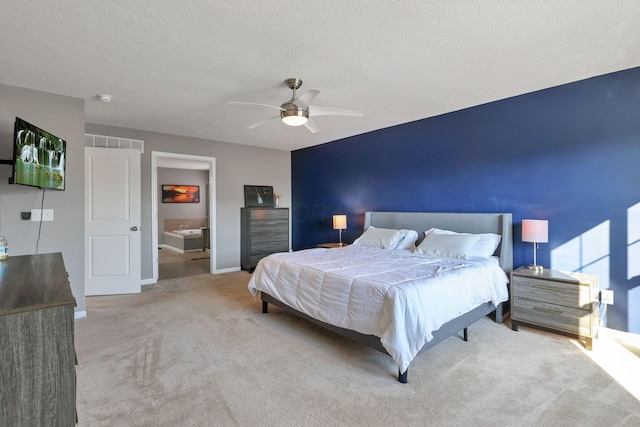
(134, 228)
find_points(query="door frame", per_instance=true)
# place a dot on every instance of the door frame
(155, 155)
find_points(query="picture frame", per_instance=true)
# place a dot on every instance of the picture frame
(258, 196)
(173, 193)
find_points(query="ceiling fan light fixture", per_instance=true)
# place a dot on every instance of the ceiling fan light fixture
(292, 115)
(104, 97)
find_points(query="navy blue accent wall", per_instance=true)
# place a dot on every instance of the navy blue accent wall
(569, 154)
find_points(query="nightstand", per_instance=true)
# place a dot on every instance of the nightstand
(332, 245)
(555, 301)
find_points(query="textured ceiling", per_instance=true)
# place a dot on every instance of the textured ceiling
(172, 66)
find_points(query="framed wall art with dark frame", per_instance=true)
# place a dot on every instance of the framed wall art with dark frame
(172, 193)
(258, 196)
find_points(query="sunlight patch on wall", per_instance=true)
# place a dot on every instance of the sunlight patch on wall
(567, 256)
(633, 241)
(587, 253)
(633, 260)
(633, 308)
(633, 267)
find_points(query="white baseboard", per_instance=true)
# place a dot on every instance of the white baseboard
(146, 282)
(171, 248)
(226, 270)
(80, 314)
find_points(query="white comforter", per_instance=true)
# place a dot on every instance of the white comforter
(398, 296)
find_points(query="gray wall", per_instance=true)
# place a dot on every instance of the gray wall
(181, 210)
(236, 165)
(64, 117)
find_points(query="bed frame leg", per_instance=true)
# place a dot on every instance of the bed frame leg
(499, 313)
(402, 376)
(265, 307)
(466, 334)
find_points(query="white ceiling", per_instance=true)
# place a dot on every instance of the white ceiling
(172, 66)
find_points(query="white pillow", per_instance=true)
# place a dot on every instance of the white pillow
(383, 238)
(485, 247)
(447, 245)
(408, 240)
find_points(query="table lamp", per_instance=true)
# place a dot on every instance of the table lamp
(535, 231)
(340, 223)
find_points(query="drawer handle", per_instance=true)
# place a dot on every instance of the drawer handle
(547, 288)
(546, 310)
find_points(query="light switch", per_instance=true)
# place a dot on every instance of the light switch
(45, 214)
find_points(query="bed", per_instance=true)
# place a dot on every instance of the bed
(400, 302)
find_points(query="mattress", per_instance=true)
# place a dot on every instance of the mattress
(397, 295)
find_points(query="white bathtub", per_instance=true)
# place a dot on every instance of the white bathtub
(189, 231)
(182, 241)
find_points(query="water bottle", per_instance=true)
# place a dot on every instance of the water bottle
(4, 248)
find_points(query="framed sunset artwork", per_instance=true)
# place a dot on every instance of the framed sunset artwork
(180, 193)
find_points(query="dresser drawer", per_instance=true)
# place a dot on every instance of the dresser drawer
(259, 228)
(258, 215)
(570, 320)
(556, 292)
(257, 257)
(279, 244)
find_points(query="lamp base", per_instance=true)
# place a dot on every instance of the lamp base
(536, 268)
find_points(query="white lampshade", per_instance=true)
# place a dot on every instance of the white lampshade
(339, 222)
(294, 120)
(535, 230)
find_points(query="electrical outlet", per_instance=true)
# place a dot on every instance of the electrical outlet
(35, 214)
(47, 214)
(606, 296)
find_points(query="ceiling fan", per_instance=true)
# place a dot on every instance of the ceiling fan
(297, 111)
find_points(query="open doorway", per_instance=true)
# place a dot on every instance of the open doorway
(183, 257)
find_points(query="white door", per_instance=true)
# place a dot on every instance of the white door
(112, 221)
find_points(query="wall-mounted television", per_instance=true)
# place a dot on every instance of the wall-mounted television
(38, 157)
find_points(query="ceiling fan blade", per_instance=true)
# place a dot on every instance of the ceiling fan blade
(306, 98)
(313, 128)
(255, 103)
(260, 123)
(326, 111)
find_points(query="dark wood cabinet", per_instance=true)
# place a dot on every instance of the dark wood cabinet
(263, 231)
(37, 376)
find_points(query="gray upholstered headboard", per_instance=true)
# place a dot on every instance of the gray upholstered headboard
(499, 223)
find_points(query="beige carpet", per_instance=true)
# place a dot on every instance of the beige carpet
(199, 352)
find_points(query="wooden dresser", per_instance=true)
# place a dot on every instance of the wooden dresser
(37, 377)
(263, 231)
(556, 301)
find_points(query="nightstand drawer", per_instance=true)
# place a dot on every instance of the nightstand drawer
(570, 320)
(556, 292)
